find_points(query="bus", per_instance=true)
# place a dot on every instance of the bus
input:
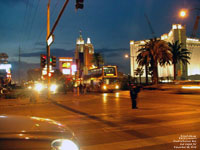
(104, 79)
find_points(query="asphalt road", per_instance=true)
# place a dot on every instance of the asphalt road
(164, 121)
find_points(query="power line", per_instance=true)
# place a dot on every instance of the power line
(25, 14)
(44, 26)
(33, 20)
(27, 33)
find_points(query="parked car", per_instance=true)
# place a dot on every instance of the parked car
(34, 133)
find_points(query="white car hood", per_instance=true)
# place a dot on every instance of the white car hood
(32, 128)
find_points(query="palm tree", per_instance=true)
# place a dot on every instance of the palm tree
(144, 61)
(97, 59)
(139, 72)
(178, 55)
(154, 52)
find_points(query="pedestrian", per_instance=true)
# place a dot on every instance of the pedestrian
(81, 88)
(84, 88)
(65, 88)
(33, 97)
(134, 93)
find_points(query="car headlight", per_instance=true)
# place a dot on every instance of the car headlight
(104, 87)
(117, 86)
(190, 87)
(63, 144)
(53, 88)
(38, 87)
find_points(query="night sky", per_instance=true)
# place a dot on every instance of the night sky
(110, 24)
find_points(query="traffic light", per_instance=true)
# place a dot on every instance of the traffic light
(43, 59)
(53, 61)
(79, 4)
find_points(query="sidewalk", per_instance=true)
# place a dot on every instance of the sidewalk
(21, 101)
(40, 99)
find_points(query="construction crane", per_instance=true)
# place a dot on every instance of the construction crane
(150, 26)
(195, 28)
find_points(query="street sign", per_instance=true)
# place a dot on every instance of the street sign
(50, 40)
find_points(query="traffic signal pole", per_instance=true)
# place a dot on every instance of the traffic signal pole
(59, 16)
(48, 50)
(79, 5)
(48, 35)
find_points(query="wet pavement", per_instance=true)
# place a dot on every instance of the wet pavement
(105, 121)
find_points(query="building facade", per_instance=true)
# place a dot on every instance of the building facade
(83, 55)
(184, 71)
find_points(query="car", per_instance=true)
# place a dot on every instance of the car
(41, 87)
(190, 87)
(35, 133)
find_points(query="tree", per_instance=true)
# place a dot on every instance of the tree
(154, 52)
(97, 59)
(139, 72)
(178, 55)
(144, 61)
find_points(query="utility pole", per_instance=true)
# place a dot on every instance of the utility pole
(48, 49)
(19, 66)
(50, 37)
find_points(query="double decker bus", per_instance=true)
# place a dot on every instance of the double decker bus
(103, 79)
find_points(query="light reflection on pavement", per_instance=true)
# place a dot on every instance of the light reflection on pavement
(106, 121)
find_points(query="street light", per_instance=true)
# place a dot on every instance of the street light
(126, 56)
(132, 63)
(183, 13)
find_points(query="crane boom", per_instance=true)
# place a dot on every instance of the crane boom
(150, 26)
(195, 28)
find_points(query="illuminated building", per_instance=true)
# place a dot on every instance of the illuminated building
(88, 55)
(67, 67)
(5, 68)
(177, 32)
(83, 55)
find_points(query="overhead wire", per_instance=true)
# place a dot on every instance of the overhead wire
(33, 20)
(44, 25)
(23, 24)
(26, 29)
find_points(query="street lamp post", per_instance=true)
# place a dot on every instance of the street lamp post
(132, 62)
(184, 13)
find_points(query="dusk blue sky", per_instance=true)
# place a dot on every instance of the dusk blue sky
(110, 24)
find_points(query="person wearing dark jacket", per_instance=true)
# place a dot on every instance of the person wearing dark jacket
(133, 94)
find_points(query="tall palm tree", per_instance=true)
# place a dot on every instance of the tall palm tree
(179, 55)
(144, 61)
(139, 72)
(97, 59)
(154, 52)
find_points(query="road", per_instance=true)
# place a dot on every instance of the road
(164, 120)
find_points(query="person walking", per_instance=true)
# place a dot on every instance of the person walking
(81, 88)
